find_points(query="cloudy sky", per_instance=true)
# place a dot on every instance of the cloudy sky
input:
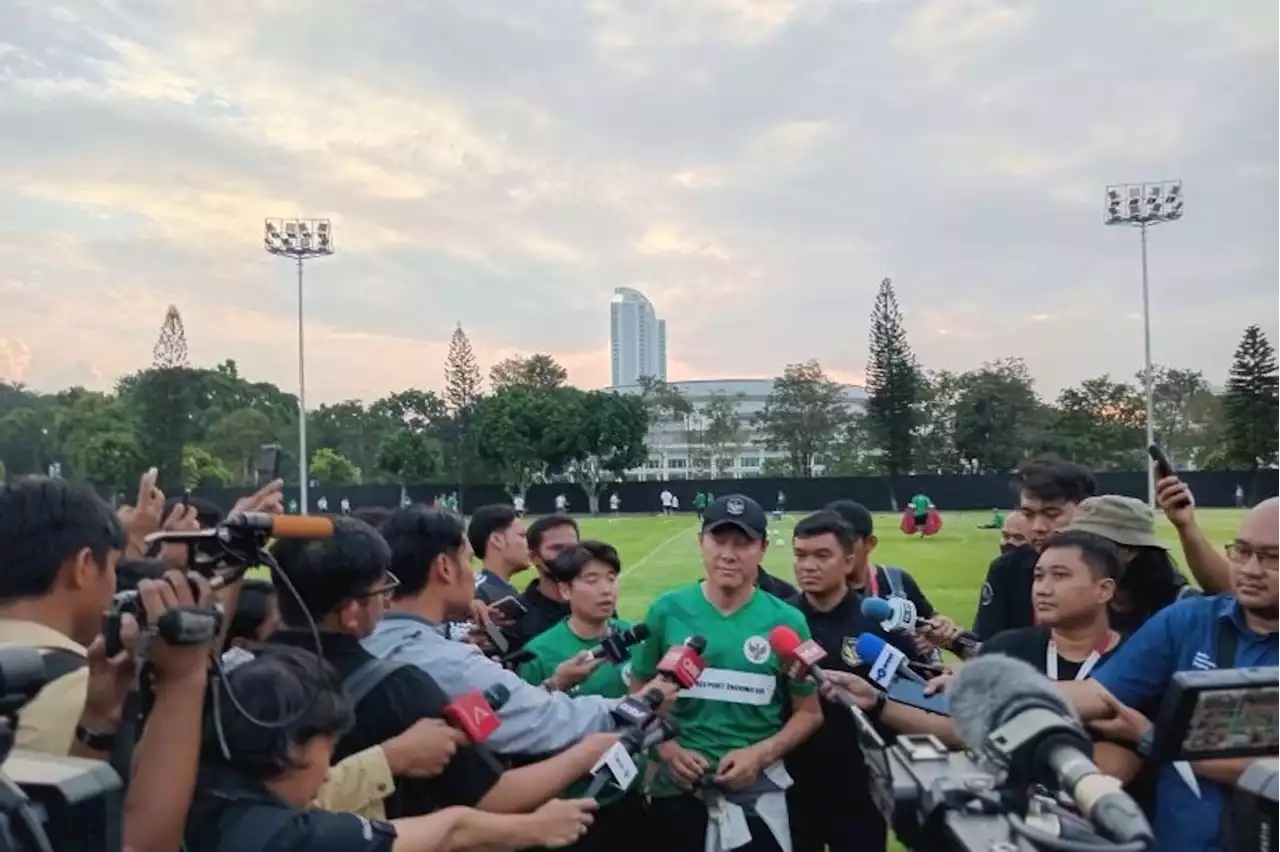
(754, 166)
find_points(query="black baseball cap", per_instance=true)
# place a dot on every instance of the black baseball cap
(736, 510)
(855, 515)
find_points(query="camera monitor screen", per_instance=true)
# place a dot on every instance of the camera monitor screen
(1220, 714)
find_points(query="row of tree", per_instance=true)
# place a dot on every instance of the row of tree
(206, 426)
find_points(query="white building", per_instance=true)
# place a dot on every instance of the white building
(672, 457)
(638, 339)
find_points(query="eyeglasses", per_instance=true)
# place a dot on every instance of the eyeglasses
(390, 583)
(1242, 553)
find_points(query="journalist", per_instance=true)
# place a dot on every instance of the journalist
(1223, 631)
(255, 781)
(344, 583)
(743, 716)
(497, 538)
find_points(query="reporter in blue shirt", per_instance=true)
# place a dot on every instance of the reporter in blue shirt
(1189, 635)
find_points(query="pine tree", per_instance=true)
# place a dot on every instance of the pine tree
(171, 347)
(893, 385)
(1252, 402)
(461, 392)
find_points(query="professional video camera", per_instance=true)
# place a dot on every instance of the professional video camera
(1027, 782)
(50, 803)
(1227, 713)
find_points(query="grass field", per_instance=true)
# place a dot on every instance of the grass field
(659, 553)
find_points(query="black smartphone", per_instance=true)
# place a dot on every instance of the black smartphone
(268, 463)
(1163, 468)
(510, 607)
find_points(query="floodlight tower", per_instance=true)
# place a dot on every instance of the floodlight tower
(299, 240)
(1141, 205)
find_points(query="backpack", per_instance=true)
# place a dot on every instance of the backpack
(366, 678)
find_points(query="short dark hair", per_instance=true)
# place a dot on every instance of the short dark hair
(131, 572)
(374, 516)
(539, 528)
(278, 683)
(1051, 479)
(253, 607)
(417, 536)
(826, 523)
(43, 523)
(325, 572)
(569, 565)
(1100, 555)
(856, 515)
(487, 520)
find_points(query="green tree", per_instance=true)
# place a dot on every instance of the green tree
(1100, 425)
(201, 469)
(523, 433)
(851, 453)
(717, 435)
(109, 458)
(415, 421)
(935, 436)
(893, 384)
(165, 398)
(669, 412)
(611, 433)
(1251, 403)
(410, 457)
(998, 417)
(534, 371)
(330, 467)
(26, 445)
(803, 414)
(349, 429)
(237, 439)
(1177, 401)
(462, 390)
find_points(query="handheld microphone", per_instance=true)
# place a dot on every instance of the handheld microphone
(802, 658)
(636, 740)
(635, 711)
(1009, 712)
(683, 664)
(616, 646)
(475, 713)
(899, 615)
(887, 662)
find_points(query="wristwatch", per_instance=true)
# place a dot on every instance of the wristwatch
(877, 707)
(94, 740)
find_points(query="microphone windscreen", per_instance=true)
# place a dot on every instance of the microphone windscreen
(783, 640)
(497, 695)
(877, 609)
(697, 644)
(868, 646)
(987, 692)
(639, 632)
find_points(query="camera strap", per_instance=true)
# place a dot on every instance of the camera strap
(366, 678)
(60, 662)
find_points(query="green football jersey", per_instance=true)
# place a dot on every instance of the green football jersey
(740, 697)
(920, 504)
(558, 644)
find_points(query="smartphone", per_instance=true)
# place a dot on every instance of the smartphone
(510, 607)
(1163, 468)
(912, 694)
(268, 467)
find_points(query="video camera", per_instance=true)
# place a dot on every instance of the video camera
(50, 803)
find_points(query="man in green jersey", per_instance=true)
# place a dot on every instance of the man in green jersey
(587, 576)
(700, 502)
(722, 776)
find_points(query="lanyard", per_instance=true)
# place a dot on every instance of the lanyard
(1051, 659)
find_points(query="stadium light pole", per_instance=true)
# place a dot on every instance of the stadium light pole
(299, 240)
(1142, 205)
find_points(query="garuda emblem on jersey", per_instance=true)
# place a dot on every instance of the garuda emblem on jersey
(849, 651)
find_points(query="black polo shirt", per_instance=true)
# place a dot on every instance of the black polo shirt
(780, 589)
(1005, 600)
(230, 810)
(542, 613)
(405, 696)
(491, 588)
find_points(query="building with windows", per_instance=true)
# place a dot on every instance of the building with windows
(637, 338)
(673, 451)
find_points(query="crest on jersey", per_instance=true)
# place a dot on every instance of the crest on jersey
(849, 651)
(735, 506)
(756, 649)
(987, 594)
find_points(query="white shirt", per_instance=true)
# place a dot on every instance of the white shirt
(518, 502)
(561, 501)
(614, 501)
(666, 498)
(675, 502)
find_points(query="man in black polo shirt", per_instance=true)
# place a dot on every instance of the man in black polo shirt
(830, 801)
(548, 537)
(344, 584)
(1048, 490)
(497, 537)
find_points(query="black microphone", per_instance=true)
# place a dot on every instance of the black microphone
(1012, 714)
(615, 646)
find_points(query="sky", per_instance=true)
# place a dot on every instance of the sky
(756, 167)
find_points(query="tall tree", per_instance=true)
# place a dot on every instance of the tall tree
(998, 417)
(611, 432)
(803, 415)
(934, 444)
(893, 384)
(166, 399)
(669, 412)
(1251, 403)
(171, 347)
(330, 467)
(462, 387)
(237, 439)
(1100, 425)
(718, 435)
(850, 454)
(1179, 410)
(534, 371)
(525, 433)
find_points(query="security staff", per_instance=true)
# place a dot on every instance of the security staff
(255, 782)
(1199, 633)
(830, 803)
(548, 537)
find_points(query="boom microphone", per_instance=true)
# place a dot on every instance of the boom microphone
(899, 618)
(802, 658)
(887, 662)
(615, 646)
(475, 713)
(1039, 740)
(683, 664)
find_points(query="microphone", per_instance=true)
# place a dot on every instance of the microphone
(635, 711)
(887, 662)
(1009, 712)
(683, 664)
(282, 526)
(802, 658)
(615, 646)
(899, 615)
(622, 770)
(475, 713)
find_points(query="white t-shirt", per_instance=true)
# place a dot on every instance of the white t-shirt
(614, 502)
(518, 503)
(675, 502)
(323, 504)
(561, 501)
(666, 497)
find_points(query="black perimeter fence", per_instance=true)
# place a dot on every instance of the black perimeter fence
(949, 492)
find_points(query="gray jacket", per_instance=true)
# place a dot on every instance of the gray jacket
(533, 721)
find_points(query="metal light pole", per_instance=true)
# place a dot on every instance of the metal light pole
(299, 240)
(1142, 205)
